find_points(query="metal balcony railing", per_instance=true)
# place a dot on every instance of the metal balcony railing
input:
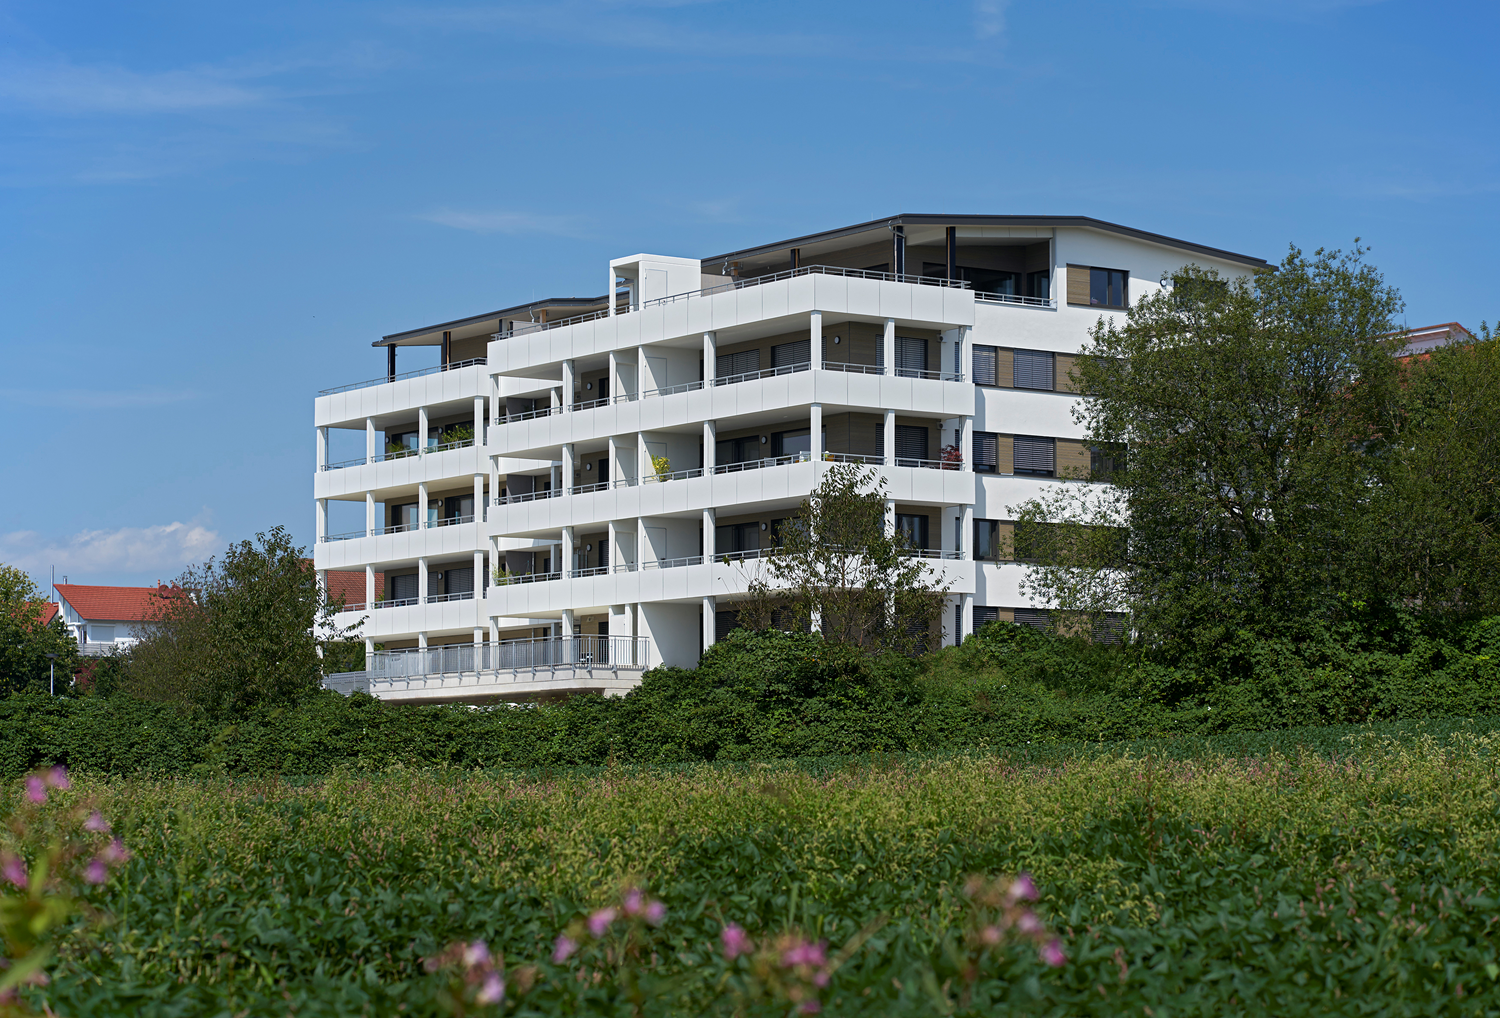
(584, 489)
(404, 375)
(672, 390)
(341, 464)
(1014, 298)
(527, 496)
(398, 602)
(347, 536)
(855, 457)
(750, 376)
(941, 376)
(673, 563)
(451, 521)
(762, 464)
(529, 415)
(614, 652)
(674, 475)
(930, 464)
(811, 270)
(854, 369)
(459, 595)
(510, 579)
(592, 571)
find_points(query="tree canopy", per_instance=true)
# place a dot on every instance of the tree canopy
(25, 641)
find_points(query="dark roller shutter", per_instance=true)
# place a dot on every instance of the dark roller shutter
(985, 365)
(741, 363)
(404, 588)
(986, 452)
(911, 442)
(787, 354)
(459, 581)
(725, 622)
(1033, 369)
(911, 354)
(983, 616)
(1037, 618)
(1035, 455)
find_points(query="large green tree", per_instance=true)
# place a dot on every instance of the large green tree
(25, 641)
(246, 632)
(1256, 411)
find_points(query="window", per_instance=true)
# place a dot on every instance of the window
(911, 356)
(989, 545)
(741, 363)
(1036, 618)
(986, 365)
(1039, 284)
(1034, 369)
(459, 581)
(101, 634)
(458, 506)
(1105, 459)
(781, 527)
(1107, 288)
(736, 537)
(1037, 456)
(404, 516)
(787, 354)
(986, 452)
(404, 588)
(911, 444)
(913, 528)
(984, 615)
(792, 443)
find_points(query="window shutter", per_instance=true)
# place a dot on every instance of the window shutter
(403, 588)
(740, 363)
(1066, 364)
(1078, 284)
(1037, 618)
(1033, 369)
(984, 616)
(459, 581)
(726, 621)
(1037, 455)
(796, 352)
(911, 353)
(986, 452)
(985, 362)
(911, 442)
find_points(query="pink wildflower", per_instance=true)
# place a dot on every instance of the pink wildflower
(493, 990)
(1029, 923)
(810, 1007)
(655, 912)
(476, 954)
(35, 790)
(1022, 888)
(57, 778)
(563, 949)
(635, 902)
(735, 942)
(990, 935)
(115, 852)
(96, 823)
(599, 922)
(14, 870)
(820, 978)
(804, 953)
(95, 872)
(1052, 954)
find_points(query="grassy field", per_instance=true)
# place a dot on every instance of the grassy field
(1314, 872)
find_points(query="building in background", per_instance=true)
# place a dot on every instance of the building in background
(106, 619)
(582, 487)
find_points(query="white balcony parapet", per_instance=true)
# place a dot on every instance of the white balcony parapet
(812, 270)
(383, 379)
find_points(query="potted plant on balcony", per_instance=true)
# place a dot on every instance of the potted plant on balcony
(952, 457)
(458, 435)
(660, 467)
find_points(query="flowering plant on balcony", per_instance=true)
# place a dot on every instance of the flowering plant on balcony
(661, 467)
(457, 433)
(951, 454)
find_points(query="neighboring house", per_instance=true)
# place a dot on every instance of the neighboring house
(1430, 337)
(618, 463)
(106, 619)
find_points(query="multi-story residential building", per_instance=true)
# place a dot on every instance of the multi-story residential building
(582, 487)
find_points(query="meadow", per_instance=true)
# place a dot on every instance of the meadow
(1311, 871)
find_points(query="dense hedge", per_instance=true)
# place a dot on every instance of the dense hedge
(769, 696)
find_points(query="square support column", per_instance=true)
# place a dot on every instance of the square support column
(422, 431)
(709, 545)
(643, 550)
(566, 566)
(320, 521)
(889, 452)
(966, 447)
(710, 358)
(370, 587)
(815, 329)
(372, 447)
(478, 502)
(481, 425)
(615, 388)
(612, 530)
(370, 528)
(422, 505)
(642, 374)
(643, 465)
(422, 583)
(967, 618)
(888, 346)
(322, 449)
(710, 631)
(613, 454)
(710, 447)
(567, 470)
(568, 384)
(965, 354)
(815, 431)
(966, 534)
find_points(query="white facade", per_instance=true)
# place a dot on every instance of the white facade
(630, 463)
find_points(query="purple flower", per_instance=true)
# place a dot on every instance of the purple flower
(804, 953)
(14, 870)
(735, 942)
(655, 912)
(820, 978)
(635, 902)
(563, 949)
(600, 920)
(476, 954)
(35, 790)
(1052, 954)
(493, 990)
(96, 872)
(1029, 923)
(810, 1007)
(115, 852)
(990, 935)
(57, 778)
(1022, 888)
(96, 823)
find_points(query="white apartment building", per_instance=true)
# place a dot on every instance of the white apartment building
(582, 488)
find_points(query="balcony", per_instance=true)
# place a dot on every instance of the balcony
(383, 379)
(405, 528)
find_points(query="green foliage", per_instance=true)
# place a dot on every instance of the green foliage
(1331, 874)
(25, 642)
(245, 634)
(661, 466)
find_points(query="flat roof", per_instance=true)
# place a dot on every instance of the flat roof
(405, 338)
(924, 219)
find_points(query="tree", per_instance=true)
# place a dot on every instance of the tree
(246, 631)
(1255, 412)
(836, 567)
(25, 641)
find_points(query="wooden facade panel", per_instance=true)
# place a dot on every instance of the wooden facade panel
(1066, 372)
(1073, 458)
(1005, 368)
(1078, 284)
(1005, 457)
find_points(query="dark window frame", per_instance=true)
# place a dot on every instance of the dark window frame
(1111, 283)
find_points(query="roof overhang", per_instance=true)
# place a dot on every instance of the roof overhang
(486, 324)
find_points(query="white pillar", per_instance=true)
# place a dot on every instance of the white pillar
(815, 323)
(567, 469)
(966, 618)
(614, 378)
(965, 362)
(422, 641)
(479, 577)
(709, 632)
(642, 375)
(710, 357)
(613, 454)
(966, 534)
(372, 447)
(709, 548)
(478, 642)
(422, 581)
(556, 394)
(643, 550)
(567, 635)
(370, 587)
(370, 528)
(322, 448)
(478, 501)
(710, 447)
(889, 452)
(568, 382)
(643, 467)
(815, 427)
(888, 346)
(422, 505)
(966, 446)
(480, 424)
(421, 430)
(567, 551)
(612, 531)
(369, 650)
(320, 522)
(494, 485)
(609, 294)
(890, 518)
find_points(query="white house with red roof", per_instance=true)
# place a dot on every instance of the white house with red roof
(105, 619)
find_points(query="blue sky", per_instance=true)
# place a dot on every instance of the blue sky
(210, 210)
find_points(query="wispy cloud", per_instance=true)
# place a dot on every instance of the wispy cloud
(1286, 10)
(989, 18)
(97, 399)
(507, 222)
(165, 548)
(70, 88)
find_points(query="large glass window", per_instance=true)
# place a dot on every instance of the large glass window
(913, 528)
(1107, 288)
(1039, 284)
(792, 443)
(987, 542)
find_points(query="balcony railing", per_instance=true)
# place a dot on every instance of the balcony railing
(673, 563)
(941, 376)
(341, 464)
(672, 390)
(854, 369)
(855, 457)
(404, 375)
(937, 553)
(584, 489)
(613, 652)
(398, 602)
(460, 595)
(1015, 298)
(346, 536)
(811, 270)
(529, 415)
(526, 328)
(674, 475)
(750, 376)
(510, 579)
(930, 464)
(527, 496)
(761, 464)
(592, 571)
(451, 521)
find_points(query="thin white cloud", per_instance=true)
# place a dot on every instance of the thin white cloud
(1285, 10)
(165, 548)
(96, 399)
(505, 222)
(989, 18)
(70, 88)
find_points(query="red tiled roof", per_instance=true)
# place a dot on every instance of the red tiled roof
(49, 612)
(351, 585)
(115, 604)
